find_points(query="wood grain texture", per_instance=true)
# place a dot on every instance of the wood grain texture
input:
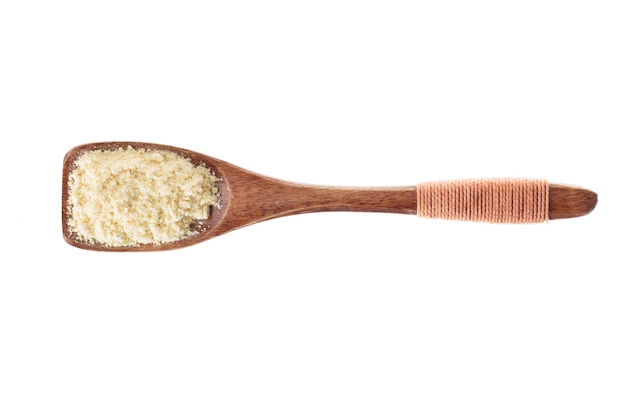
(567, 201)
(247, 198)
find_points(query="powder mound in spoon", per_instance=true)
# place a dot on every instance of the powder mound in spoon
(128, 196)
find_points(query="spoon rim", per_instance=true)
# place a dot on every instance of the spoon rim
(202, 229)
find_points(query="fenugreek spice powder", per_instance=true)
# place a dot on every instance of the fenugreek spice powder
(128, 196)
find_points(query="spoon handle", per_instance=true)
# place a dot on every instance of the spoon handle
(309, 199)
(484, 200)
(490, 200)
(503, 200)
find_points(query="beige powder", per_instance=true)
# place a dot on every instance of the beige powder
(128, 196)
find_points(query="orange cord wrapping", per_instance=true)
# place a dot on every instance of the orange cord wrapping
(493, 200)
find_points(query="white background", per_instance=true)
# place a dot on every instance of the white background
(332, 314)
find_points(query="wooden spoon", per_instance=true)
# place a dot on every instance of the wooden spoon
(247, 198)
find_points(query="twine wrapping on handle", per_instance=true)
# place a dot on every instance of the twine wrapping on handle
(490, 200)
